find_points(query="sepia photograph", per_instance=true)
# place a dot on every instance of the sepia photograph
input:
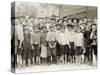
(53, 37)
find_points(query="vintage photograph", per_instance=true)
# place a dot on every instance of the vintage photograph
(53, 37)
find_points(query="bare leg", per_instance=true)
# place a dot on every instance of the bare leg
(82, 58)
(19, 61)
(65, 58)
(24, 63)
(33, 60)
(29, 62)
(39, 59)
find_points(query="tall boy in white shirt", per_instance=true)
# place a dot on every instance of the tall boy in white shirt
(71, 37)
(79, 42)
(64, 44)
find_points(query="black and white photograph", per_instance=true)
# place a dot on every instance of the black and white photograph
(53, 37)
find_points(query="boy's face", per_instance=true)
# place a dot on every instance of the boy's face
(22, 19)
(84, 25)
(74, 21)
(57, 27)
(80, 21)
(69, 28)
(78, 29)
(44, 29)
(48, 19)
(28, 21)
(31, 19)
(57, 18)
(69, 21)
(94, 28)
(52, 29)
(75, 29)
(26, 17)
(85, 20)
(60, 21)
(65, 23)
(53, 21)
(89, 23)
(40, 20)
(62, 29)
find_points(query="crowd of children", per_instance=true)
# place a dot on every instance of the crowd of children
(53, 40)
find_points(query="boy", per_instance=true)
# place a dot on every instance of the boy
(18, 42)
(95, 21)
(43, 44)
(60, 21)
(14, 44)
(83, 27)
(57, 18)
(64, 23)
(87, 44)
(58, 28)
(93, 37)
(27, 47)
(51, 39)
(64, 45)
(48, 23)
(75, 21)
(71, 37)
(85, 19)
(79, 42)
(65, 18)
(69, 21)
(53, 21)
(36, 43)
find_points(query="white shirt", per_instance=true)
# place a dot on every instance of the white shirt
(62, 38)
(51, 36)
(19, 30)
(71, 35)
(79, 39)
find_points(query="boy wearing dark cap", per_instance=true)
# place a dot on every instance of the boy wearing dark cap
(60, 21)
(65, 18)
(75, 21)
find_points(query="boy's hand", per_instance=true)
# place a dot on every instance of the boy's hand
(84, 50)
(19, 46)
(95, 37)
(69, 46)
(32, 48)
